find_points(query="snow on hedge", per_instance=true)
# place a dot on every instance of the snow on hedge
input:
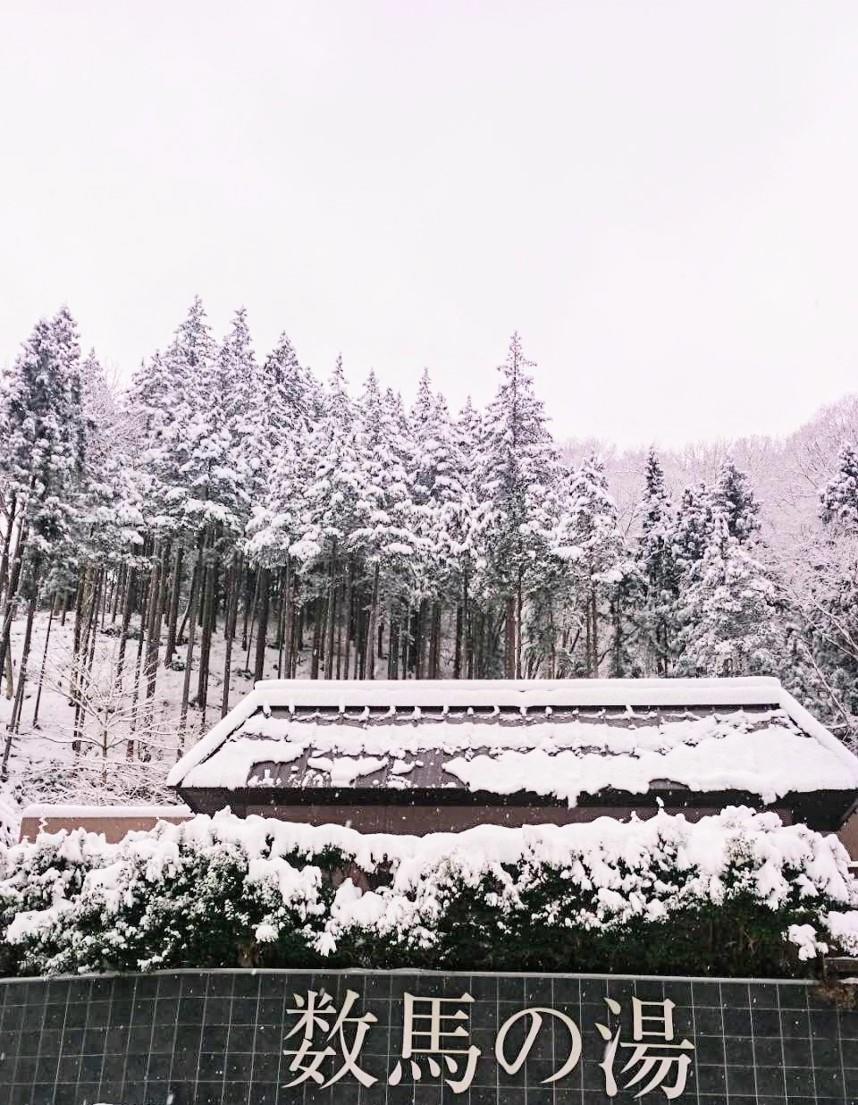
(230, 891)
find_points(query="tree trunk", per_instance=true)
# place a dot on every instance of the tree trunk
(332, 613)
(206, 604)
(231, 618)
(349, 615)
(466, 626)
(127, 606)
(173, 616)
(7, 544)
(435, 646)
(43, 667)
(12, 594)
(373, 621)
(393, 646)
(193, 602)
(317, 640)
(22, 681)
(18, 707)
(118, 589)
(341, 595)
(153, 633)
(594, 634)
(262, 628)
(247, 641)
(518, 626)
(288, 625)
(509, 639)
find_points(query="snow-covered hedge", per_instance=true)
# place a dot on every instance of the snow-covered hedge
(737, 893)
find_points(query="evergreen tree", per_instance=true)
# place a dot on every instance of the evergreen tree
(734, 612)
(839, 498)
(589, 539)
(734, 500)
(659, 572)
(517, 471)
(292, 396)
(44, 435)
(692, 529)
(42, 468)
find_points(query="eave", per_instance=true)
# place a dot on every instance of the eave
(823, 810)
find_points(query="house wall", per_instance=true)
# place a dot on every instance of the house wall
(114, 825)
(849, 836)
(420, 820)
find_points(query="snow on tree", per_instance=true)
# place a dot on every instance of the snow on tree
(733, 612)
(659, 572)
(517, 472)
(333, 537)
(588, 538)
(292, 395)
(839, 497)
(692, 529)
(42, 468)
(384, 537)
(734, 500)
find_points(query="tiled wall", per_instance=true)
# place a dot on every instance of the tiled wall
(220, 1038)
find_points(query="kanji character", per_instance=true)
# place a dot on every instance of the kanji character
(657, 1054)
(315, 1016)
(427, 1034)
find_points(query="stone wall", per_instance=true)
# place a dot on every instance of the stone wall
(372, 1038)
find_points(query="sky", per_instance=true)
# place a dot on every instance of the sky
(661, 197)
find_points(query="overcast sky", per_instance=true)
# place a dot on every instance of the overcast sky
(661, 197)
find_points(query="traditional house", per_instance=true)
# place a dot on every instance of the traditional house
(425, 756)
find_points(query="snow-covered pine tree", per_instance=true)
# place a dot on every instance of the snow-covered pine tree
(692, 529)
(42, 469)
(462, 522)
(384, 538)
(733, 613)
(227, 476)
(517, 471)
(734, 500)
(189, 453)
(823, 584)
(435, 471)
(839, 497)
(600, 571)
(291, 393)
(310, 531)
(659, 572)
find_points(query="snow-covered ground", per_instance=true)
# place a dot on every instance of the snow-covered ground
(43, 765)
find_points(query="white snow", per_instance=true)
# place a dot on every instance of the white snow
(544, 694)
(771, 763)
(761, 753)
(46, 809)
(805, 938)
(843, 927)
(344, 770)
(620, 866)
(235, 755)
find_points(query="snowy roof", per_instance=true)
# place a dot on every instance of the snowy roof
(563, 741)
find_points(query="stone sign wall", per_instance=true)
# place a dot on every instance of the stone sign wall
(372, 1038)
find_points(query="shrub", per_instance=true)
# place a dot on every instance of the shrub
(733, 894)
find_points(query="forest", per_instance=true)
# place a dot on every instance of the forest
(228, 517)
